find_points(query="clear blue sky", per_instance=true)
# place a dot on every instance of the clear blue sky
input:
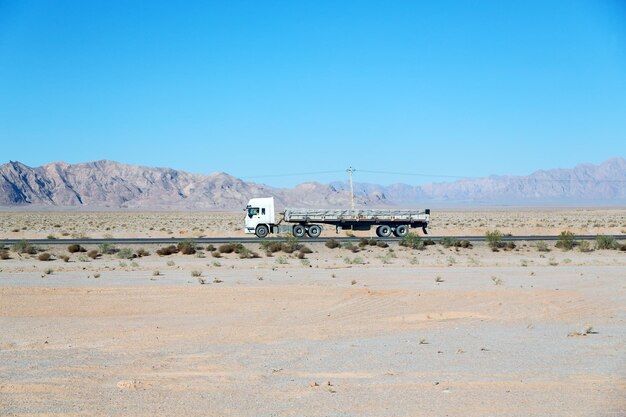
(257, 88)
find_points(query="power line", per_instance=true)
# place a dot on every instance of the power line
(291, 175)
(457, 177)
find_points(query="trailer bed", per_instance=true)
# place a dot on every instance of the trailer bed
(409, 216)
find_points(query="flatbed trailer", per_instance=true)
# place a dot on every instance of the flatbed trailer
(260, 220)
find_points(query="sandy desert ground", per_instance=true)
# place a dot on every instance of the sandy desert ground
(379, 332)
(31, 225)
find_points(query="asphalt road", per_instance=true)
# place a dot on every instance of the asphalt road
(207, 240)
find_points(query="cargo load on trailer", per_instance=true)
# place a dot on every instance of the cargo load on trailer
(261, 220)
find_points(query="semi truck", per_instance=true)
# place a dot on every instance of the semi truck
(261, 220)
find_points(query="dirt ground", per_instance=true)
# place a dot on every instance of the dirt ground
(520, 222)
(379, 332)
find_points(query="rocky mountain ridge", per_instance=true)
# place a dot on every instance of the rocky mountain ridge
(113, 185)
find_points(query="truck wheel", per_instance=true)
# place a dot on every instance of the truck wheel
(401, 230)
(314, 231)
(261, 231)
(383, 231)
(299, 230)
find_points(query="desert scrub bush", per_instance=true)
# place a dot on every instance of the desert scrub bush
(168, 250)
(332, 244)
(196, 273)
(24, 246)
(216, 254)
(93, 254)
(509, 246)
(382, 244)
(351, 247)
(44, 257)
(584, 246)
(412, 241)
(273, 247)
(606, 242)
(281, 260)
(125, 253)
(210, 248)
(186, 247)
(363, 242)
(245, 253)
(355, 261)
(48, 271)
(494, 239)
(291, 244)
(448, 241)
(75, 248)
(227, 248)
(141, 252)
(386, 258)
(542, 246)
(65, 258)
(4, 255)
(566, 241)
(106, 248)
(305, 250)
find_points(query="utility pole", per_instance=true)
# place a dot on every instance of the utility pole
(350, 171)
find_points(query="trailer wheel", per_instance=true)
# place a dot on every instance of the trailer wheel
(261, 231)
(298, 230)
(314, 231)
(383, 231)
(401, 230)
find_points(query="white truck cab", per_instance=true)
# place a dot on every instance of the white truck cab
(259, 211)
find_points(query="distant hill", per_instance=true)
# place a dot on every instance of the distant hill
(109, 184)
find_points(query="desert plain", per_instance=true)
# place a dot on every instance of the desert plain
(373, 329)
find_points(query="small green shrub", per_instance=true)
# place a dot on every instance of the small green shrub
(168, 250)
(141, 252)
(106, 248)
(542, 246)
(494, 239)
(449, 241)
(351, 247)
(584, 246)
(412, 241)
(125, 253)
(332, 244)
(566, 241)
(20, 246)
(245, 253)
(606, 242)
(186, 247)
(291, 244)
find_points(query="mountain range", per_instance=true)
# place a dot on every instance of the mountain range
(113, 185)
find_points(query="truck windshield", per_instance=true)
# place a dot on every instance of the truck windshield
(253, 211)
